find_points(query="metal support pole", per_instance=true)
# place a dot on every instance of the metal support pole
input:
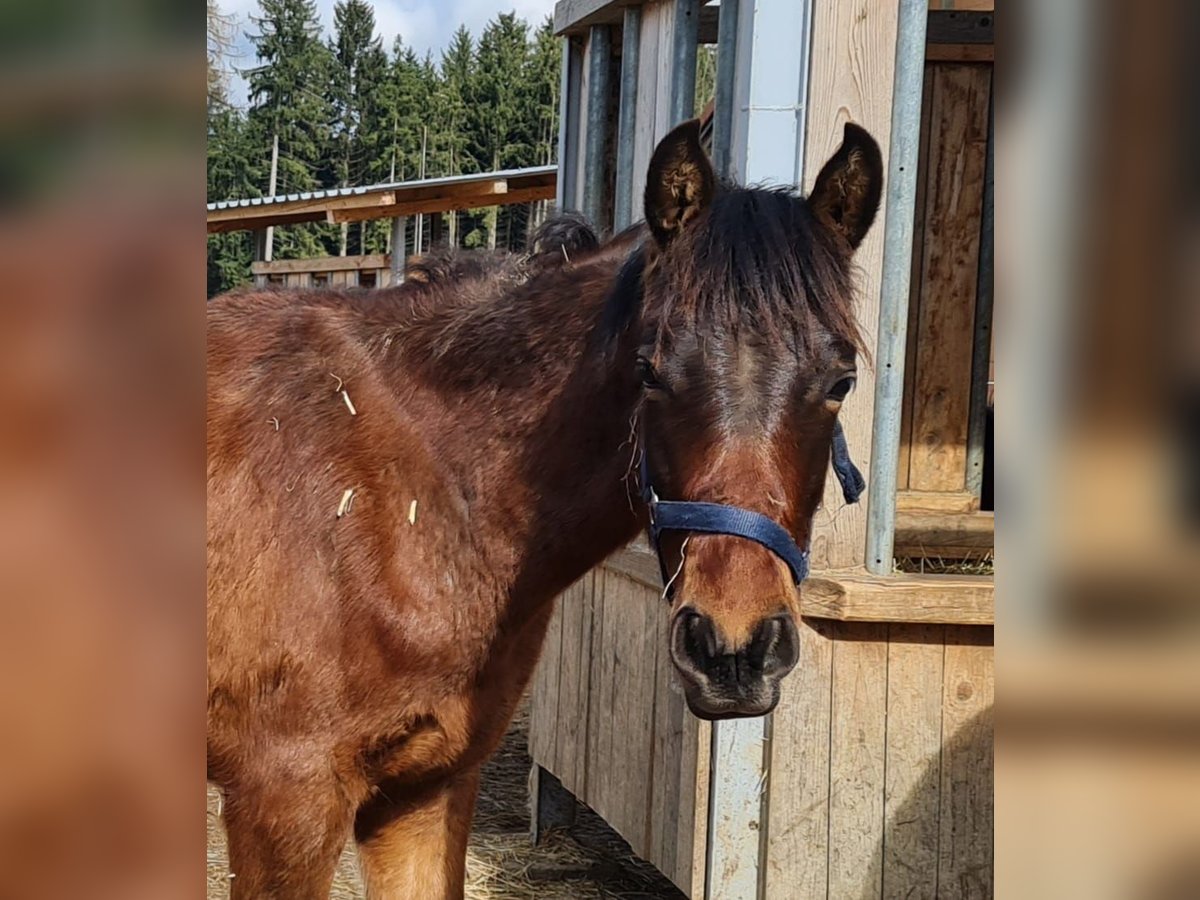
(723, 102)
(631, 43)
(981, 352)
(683, 60)
(566, 196)
(600, 53)
(766, 113)
(398, 236)
(897, 272)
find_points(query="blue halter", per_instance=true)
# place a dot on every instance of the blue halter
(720, 518)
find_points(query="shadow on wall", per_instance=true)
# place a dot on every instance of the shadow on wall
(938, 834)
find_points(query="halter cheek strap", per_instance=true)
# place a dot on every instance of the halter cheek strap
(719, 518)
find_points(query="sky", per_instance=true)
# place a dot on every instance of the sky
(423, 24)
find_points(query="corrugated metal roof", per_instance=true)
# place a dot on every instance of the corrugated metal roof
(510, 174)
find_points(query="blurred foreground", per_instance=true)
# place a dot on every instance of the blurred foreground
(101, 484)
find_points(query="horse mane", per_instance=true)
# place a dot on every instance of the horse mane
(756, 258)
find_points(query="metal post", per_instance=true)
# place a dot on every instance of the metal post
(723, 102)
(600, 58)
(398, 236)
(897, 272)
(566, 196)
(631, 42)
(683, 60)
(981, 352)
(768, 91)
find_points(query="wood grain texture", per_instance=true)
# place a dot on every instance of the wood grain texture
(797, 861)
(854, 52)
(856, 762)
(543, 704)
(956, 535)
(859, 597)
(914, 287)
(645, 131)
(914, 743)
(937, 501)
(574, 670)
(965, 867)
(954, 204)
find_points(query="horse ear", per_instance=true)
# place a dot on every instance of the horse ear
(846, 195)
(679, 183)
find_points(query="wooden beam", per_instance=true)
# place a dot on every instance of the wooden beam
(577, 16)
(934, 599)
(637, 561)
(250, 222)
(298, 207)
(321, 264)
(937, 501)
(497, 195)
(960, 27)
(960, 53)
(956, 535)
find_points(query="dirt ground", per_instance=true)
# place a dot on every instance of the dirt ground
(588, 861)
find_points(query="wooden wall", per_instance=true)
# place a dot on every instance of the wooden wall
(880, 782)
(933, 442)
(881, 772)
(608, 720)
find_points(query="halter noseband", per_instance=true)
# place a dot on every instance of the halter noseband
(721, 518)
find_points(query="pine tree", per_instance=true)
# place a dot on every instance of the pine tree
(288, 98)
(358, 68)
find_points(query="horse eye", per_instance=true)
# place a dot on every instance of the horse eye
(648, 374)
(841, 388)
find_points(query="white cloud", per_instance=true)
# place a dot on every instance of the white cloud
(426, 25)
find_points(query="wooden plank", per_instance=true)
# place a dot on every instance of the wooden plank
(543, 705)
(639, 562)
(960, 27)
(631, 717)
(321, 264)
(299, 207)
(662, 81)
(965, 867)
(693, 844)
(954, 204)
(963, 535)
(851, 80)
(598, 738)
(571, 719)
(937, 501)
(961, 53)
(914, 290)
(797, 863)
(856, 764)
(493, 194)
(645, 134)
(914, 741)
(296, 279)
(954, 599)
(669, 825)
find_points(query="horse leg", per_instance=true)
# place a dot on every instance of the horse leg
(285, 835)
(417, 847)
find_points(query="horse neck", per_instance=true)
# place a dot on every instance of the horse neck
(538, 428)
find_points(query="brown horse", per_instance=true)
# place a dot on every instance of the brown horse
(401, 481)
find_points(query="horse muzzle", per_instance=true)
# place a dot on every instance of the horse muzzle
(724, 682)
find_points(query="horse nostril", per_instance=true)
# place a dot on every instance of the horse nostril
(700, 637)
(694, 642)
(775, 646)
